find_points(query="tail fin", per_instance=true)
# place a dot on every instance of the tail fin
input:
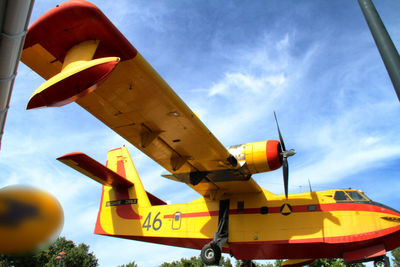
(123, 193)
(119, 161)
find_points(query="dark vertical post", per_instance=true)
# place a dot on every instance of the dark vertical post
(385, 45)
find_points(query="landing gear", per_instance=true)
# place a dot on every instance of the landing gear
(382, 262)
(211, 253)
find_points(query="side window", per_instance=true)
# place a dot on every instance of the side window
(356, 196)
(341, 196)
(177, 221)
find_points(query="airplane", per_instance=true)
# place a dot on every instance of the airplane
(85, 59)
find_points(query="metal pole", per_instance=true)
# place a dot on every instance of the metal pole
(385, 45)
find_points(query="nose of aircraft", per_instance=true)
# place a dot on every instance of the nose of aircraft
(388, 226)
(387, 210)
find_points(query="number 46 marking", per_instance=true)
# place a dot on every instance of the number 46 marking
(156, 222)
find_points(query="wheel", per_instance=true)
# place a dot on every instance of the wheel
(210, 254)
(379, 263)
(382, 262)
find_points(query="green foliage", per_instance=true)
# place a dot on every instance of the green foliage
(131, 264)
(194, 262)
(277, 263)
(327, 263)
(75, 256)
(333, 263)
(396, 256)
(20, 260)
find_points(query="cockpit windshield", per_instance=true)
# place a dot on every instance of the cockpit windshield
(341, 196)
(349, 195)
(356, 196)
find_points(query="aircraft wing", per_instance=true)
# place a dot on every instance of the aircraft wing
(135, 101)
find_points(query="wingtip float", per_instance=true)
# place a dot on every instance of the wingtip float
(72, 83)
(79, 76)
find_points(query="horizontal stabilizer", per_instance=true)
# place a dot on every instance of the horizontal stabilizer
(93, 169)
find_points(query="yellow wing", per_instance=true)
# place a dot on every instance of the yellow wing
(127, 95)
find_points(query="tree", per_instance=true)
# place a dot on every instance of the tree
(195, 262)
(396, 256)
(333, 263)
(131, 264)
(277, 263)
(74, 256)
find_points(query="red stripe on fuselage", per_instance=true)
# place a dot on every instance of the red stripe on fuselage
(194, 214)
(357, 207)
(298, 208)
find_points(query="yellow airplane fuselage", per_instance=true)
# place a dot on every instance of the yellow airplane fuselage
(261, 225)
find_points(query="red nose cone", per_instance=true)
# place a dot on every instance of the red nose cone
(72, 87)
(273, 154)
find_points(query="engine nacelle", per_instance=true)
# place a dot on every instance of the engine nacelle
(259, 157)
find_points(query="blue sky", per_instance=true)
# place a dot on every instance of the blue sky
(233, 62)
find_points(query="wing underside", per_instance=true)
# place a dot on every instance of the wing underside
(135, 101)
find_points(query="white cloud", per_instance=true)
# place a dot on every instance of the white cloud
(283, 44)
(241, 84)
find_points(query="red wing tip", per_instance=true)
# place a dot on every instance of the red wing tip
(70, 155)
(65, 5)
(76, 4)
(34, 103)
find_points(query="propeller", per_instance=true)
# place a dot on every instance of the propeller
(284, 154)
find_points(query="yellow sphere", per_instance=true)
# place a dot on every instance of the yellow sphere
(28, 218)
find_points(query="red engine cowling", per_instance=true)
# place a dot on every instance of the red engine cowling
(259, 157)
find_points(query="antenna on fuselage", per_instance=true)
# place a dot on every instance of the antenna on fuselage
(309, 184)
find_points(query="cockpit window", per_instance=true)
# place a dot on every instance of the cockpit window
(356, 196)
(365, 196)
(341, 195)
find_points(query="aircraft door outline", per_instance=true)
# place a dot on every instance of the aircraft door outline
(177, 221)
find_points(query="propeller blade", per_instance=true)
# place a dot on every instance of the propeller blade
(285, 169)
(284, 154)
(279, 132)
